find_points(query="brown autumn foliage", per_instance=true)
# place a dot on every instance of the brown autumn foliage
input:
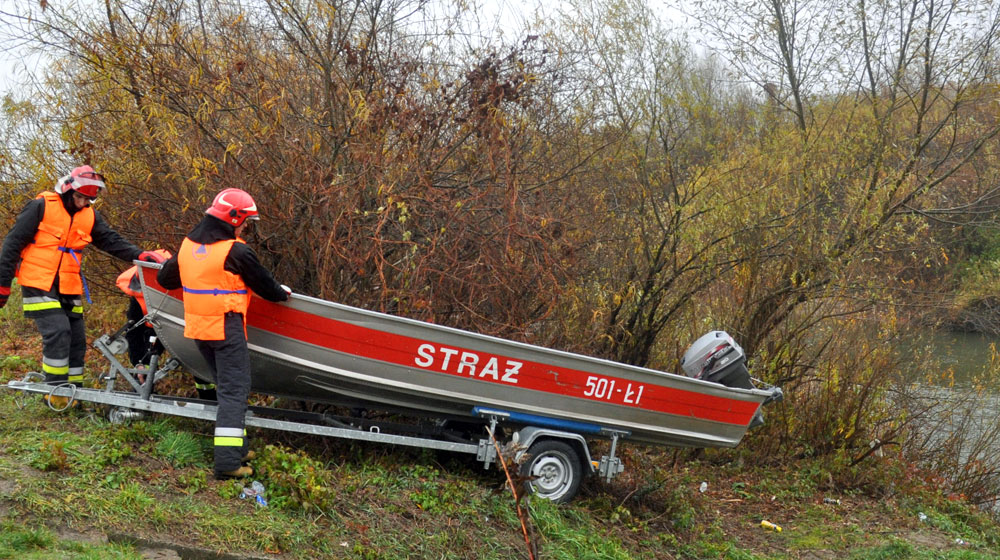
(383, 181)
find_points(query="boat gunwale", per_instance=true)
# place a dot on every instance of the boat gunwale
(758, 393)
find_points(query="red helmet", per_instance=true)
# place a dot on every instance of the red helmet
(233, 206)
(85, 181)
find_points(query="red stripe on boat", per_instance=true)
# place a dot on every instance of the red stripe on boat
(492, 368)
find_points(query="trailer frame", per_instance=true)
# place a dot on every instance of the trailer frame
(552, 471)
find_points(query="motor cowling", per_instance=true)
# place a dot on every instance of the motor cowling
(718, 358)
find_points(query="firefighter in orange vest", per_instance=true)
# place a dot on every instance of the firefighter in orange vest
(217, 271)
(140, 349)
(44, 252)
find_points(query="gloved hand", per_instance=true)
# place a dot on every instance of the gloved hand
(4, 294)
(152, 256)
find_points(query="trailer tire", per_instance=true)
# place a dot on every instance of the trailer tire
(553, 470)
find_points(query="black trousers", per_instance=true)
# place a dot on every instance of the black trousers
(59, 319)
(230, 360)
(140, 351)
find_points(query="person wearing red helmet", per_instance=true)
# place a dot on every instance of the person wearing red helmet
(217, 271)
(44, 252)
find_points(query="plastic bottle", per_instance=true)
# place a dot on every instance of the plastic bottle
(831, 501)
(258, 488)
(703, 487)
(770, 526)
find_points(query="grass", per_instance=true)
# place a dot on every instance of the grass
(337, 499)
(349, 500)
(34, 543)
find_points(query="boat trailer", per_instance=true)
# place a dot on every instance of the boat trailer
(552, 454)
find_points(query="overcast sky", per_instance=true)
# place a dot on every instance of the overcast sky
(18, 67)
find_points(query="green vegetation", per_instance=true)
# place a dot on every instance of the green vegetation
(40, 543)
(821, 184)
(333, 499)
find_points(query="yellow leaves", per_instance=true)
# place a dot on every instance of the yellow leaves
(202, 165)
(357, 101)
(270, 102)
(404, 212)
(222, 87)
(194, 78)
(431, 85)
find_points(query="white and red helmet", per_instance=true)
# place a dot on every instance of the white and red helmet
(83, 180)
(233, 206)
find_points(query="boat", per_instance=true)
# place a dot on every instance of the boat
(314, 350)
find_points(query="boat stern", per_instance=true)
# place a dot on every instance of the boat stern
(716, 357)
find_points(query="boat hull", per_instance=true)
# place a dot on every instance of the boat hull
(319, 351)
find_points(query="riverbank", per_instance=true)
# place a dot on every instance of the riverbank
(74, 485)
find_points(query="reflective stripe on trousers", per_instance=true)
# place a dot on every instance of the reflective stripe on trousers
(230, 360)
(64, 345)
(229, 437)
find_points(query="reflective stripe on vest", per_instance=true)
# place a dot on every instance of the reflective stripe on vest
(210, 291)
(55, 248)
(83, 278)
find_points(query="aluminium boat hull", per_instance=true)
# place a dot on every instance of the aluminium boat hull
(319, 351)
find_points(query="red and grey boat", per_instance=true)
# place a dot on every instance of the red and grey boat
(452, 383)
(320, 351)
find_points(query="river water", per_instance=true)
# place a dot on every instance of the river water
(965, 353)
(956, 424)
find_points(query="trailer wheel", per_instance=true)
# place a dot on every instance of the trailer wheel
(553, 470)
(123, 415)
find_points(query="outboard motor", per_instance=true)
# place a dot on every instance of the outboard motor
(716, 357)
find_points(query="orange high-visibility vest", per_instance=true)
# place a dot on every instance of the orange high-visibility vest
(210, 291)
(56, 248)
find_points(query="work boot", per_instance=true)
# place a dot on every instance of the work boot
(242, 472)
(250, 456)
(59, 402)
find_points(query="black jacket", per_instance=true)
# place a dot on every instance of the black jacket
(23, 233)
(241, 261)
